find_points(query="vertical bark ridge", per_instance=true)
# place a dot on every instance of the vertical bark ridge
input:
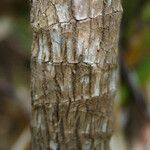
(74, 72)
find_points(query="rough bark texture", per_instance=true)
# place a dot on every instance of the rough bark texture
(74, 73)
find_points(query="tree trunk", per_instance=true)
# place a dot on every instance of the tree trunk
(74, 73)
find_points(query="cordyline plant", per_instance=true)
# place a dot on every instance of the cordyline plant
(74, 73)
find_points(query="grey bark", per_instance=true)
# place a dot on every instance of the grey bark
(74, 73)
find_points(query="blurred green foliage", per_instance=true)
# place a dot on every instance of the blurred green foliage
(145, 15)
(136, 42)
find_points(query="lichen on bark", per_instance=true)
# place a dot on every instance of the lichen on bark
(74, 72)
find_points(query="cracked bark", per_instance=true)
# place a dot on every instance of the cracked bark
(74, 72)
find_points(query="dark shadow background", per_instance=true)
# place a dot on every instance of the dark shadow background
(15, 46)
